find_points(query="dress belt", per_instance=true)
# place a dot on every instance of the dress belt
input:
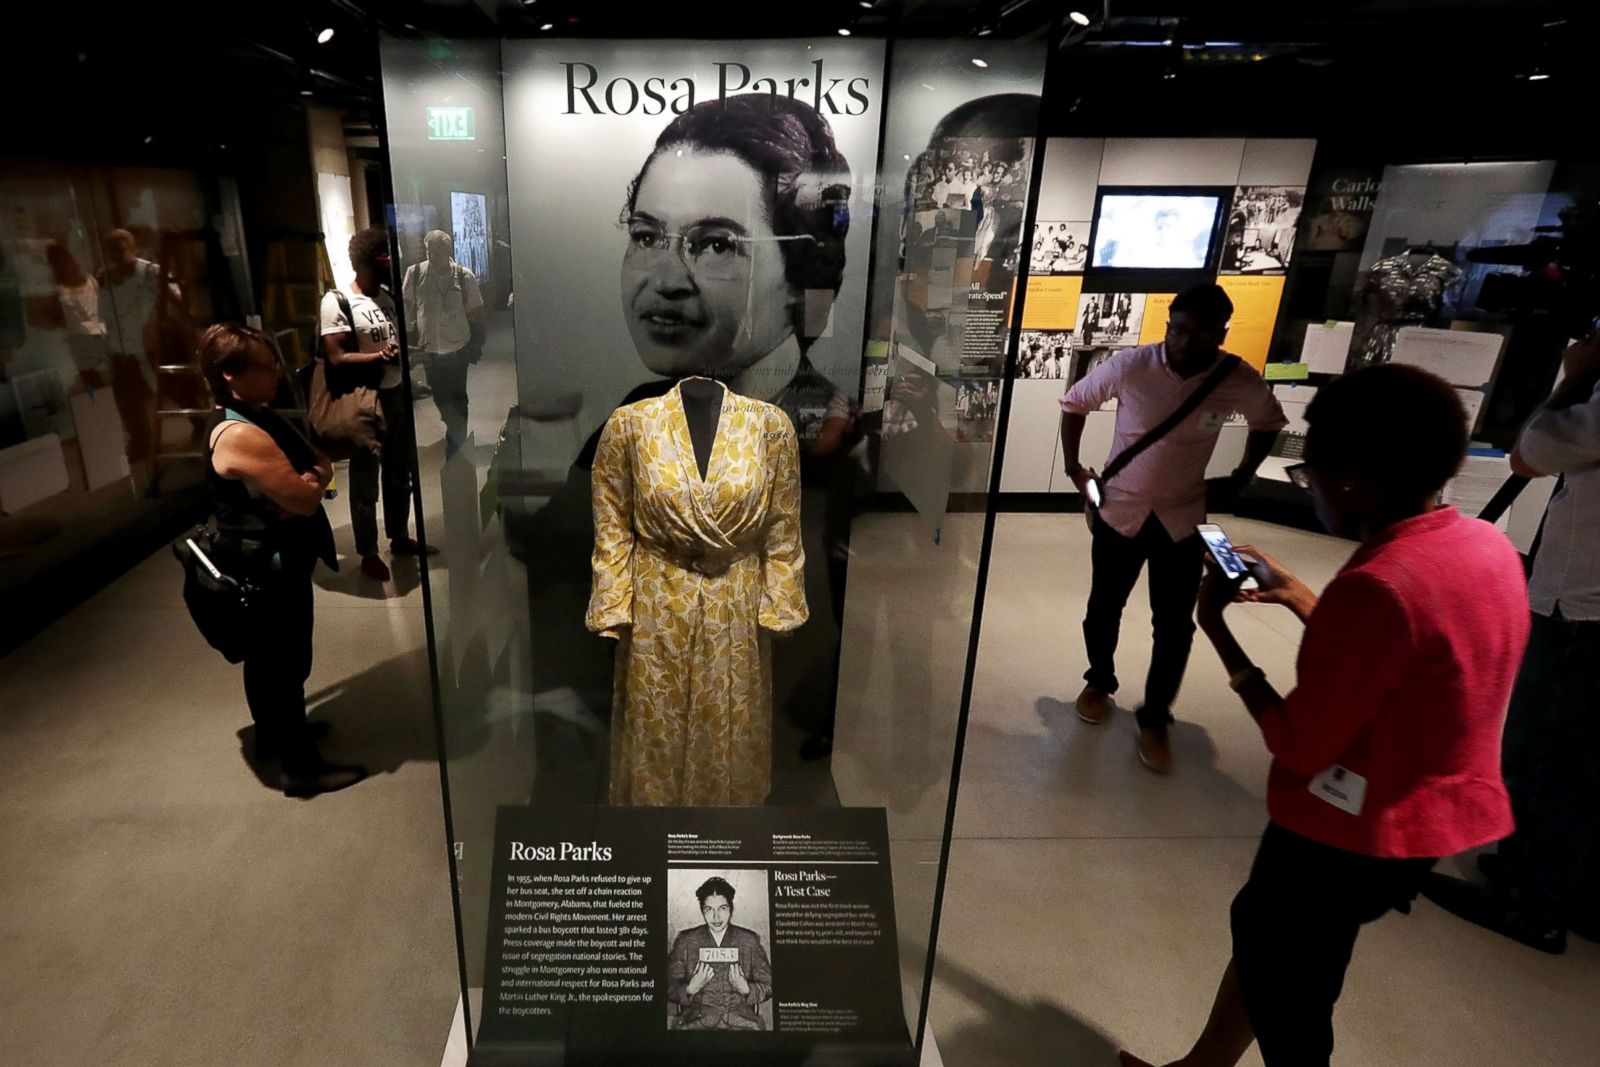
(712, 563)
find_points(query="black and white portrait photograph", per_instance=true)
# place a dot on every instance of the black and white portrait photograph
(719, 931)
(1089, 359)
(1059, 248)
(469, 228)
(977, 402)
(1259, 238)
(1045, 354)
(1110, 318)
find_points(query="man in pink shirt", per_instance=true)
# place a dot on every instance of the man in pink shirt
(1152, 507)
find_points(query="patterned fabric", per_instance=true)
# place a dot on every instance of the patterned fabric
(688, 573)
(1403, 293)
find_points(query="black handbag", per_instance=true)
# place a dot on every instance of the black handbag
(221, 606)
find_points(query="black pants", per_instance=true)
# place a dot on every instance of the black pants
(1175, 572)
(447, 377)
(275, 674)
(1552, 770)
(1294, 927)
(394, 473)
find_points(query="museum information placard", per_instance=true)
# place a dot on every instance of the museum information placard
(691, 935)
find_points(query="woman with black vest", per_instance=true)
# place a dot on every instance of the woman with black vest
(267, 482)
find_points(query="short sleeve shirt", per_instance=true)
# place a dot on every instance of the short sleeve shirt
(374, 326)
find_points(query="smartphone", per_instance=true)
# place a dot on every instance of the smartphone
(1092, 491)
(1227, 557)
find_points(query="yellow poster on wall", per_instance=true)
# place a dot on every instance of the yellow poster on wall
(1052, 302)
(1255, 312)
(1154, 328)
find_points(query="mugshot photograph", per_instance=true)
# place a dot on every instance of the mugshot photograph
(718, 973)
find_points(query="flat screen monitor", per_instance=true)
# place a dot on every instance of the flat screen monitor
(1169, 230)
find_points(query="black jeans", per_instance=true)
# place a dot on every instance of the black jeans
(1294, 928)
(447, 377)
(275, 673)
(1551, 762)
(393, 471)
(1175, 573)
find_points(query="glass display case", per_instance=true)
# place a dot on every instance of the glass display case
(714, 508)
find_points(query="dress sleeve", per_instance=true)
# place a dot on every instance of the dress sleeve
(1358, 646)
(760, 976)
(783, 559)
(611, 489)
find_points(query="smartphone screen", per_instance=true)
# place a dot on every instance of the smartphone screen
(1092, 491)
(1222, 551)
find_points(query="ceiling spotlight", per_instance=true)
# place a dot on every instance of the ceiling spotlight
(149, 138)
(867, 4)
(1079, 17)
(908, 157)
(1538, 76)
(843, 32)
(979, 63)
(986, 31)
(305, 92)
(1169, 75)
(547, 27)
(325, 36)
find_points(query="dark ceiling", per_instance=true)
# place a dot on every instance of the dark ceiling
(189, 72)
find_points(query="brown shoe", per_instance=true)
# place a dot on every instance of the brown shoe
(1093, 706)
(1155, 749)
(375, 568)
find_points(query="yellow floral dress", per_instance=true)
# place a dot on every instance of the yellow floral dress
(689, 573)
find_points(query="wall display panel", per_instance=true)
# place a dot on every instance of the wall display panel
(1260, 232)
(1255, 314)
(1242, 200)
(583, 118)
(1053, 303)
(676, 485)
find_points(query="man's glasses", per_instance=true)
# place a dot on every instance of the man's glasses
(1299, 474)
(1188, 333)
(712, 253)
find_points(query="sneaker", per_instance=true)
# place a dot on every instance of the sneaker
(1093, 706)
(410, 546)
(1481, 907)
(1155, 749)
(375, 568)
(315, 776)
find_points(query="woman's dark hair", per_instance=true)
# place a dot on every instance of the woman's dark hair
(367, 245)
(714, 887)
(806, 178)
(1399, 427)
(225, 349)
(64, 267)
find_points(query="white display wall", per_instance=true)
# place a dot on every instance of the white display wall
(1074, 169)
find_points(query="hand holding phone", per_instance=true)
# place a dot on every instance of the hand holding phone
(1228, 559)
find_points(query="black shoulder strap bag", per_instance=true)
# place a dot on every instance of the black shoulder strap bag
(1218, 374)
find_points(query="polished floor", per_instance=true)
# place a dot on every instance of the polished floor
(158, 905)
(1087, 898)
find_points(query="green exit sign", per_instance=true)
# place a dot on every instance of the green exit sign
(451, 124)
